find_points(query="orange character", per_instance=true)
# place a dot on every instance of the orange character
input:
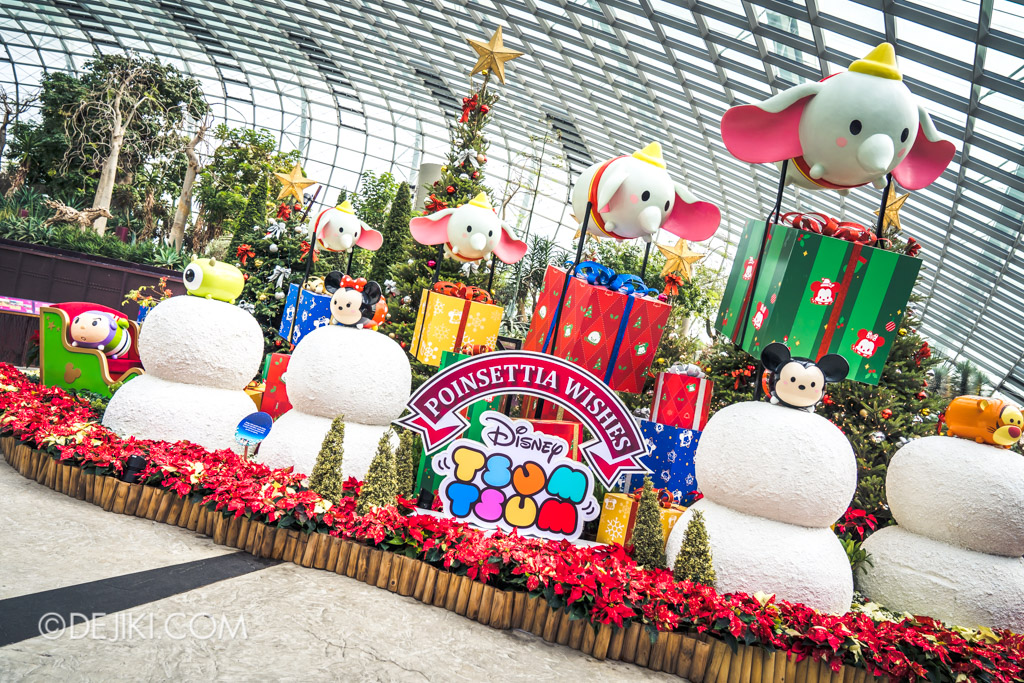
(986, 420)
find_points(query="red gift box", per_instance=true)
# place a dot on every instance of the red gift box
(275, 396)
(611, 334)
(570, 431)
(681, 400)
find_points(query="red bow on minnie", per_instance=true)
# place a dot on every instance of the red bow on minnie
(356, 284)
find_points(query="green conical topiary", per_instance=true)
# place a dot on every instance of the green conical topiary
(405, 457)
(381, 484)
(648, 534)
(326, 477)
(694, 559)
(396, 245)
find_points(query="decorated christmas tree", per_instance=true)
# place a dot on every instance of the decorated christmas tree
(326, 477)
(381, 484)
(693, 563)
(648, 534)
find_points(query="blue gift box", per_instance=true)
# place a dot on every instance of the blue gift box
(314, 311)
(670, 458)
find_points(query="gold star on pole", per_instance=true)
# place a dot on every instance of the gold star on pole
(492, 56)
(679, 258)
(293, 183)
(892, 209)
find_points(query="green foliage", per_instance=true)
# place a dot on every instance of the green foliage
(326, 478)
(371, 201)
(254, 219)
(381, 484)
(397, 240)
(855, 553)
(648, 534)
(693, 562)
(405, 461)
(243, 158)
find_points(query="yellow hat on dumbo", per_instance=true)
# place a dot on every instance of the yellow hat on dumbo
(879, 62)
(482, 201)
(346, 207)
(651, 154)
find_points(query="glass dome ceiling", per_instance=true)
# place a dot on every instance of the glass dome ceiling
(373, 85)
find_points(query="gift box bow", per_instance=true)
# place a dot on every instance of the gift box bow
(665, 499)
(315, 285)
(460, 291)
(672, 283)
(603, 276)
(689, 369)
(468, 349)
(821, 224)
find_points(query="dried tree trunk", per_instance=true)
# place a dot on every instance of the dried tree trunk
(185, 199)
(108, 175)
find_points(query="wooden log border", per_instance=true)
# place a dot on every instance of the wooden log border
(698, 658)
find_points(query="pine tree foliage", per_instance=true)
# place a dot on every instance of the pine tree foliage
(397, 239)
(327, 476)
(254, 218)
(693, 562)
(381, 483)
(405, 462)
(648, 534)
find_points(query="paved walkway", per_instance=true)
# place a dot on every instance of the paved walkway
(178, 606)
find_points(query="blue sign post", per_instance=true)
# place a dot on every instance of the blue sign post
(253, 429)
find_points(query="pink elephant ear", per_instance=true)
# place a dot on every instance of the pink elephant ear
(927, 159)
(509, 249)
(692, 219)
(369, 238)
(768, 131)
(432, 229)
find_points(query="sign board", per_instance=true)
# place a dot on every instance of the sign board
(253, 429)
(517, 479)
(617, 444)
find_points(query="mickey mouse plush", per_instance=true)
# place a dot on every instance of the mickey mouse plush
(800, 382)
(353, 301)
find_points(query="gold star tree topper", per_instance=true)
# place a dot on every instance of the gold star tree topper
(892, 209)
(492, 56)
(679, 258)
(293, 183)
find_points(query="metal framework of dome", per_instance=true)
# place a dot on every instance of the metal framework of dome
(372, 85)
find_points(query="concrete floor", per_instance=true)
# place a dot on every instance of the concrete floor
(280, 622)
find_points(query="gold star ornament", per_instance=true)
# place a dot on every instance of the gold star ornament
(293, 183)
(679, 258)
(492, 56)
(892, 209)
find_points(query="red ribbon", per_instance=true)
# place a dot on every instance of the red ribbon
(304, 251)
(434, 204)
(665, 498)
(468, 349)
(461, 291)
(468, 106)
(244, 252)
(357, 284)
(672, 282)
(913, 247)
(821, 224)
(284, 212)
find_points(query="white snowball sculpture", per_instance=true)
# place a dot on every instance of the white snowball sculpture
(198, 354)
(751, 554)
(193, 340)
(956, 554)
(360, 374)
(774, 479)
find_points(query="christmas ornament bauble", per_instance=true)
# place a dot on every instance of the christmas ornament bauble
(903, 331)
(407, 300)
(450, 189)
(481, 158)
(431, 263)
(391, 334)
(886, 414)
(444, 169)
(464, 176)
(925, 412)
(475, 175)
(259, 263)
(262, 297)
(279, 295)
(921, 395)
(877, 437)
(388, 316)
(862, 413)
(273, 248)
(411, 261)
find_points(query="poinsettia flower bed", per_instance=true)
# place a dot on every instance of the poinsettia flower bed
(600, 584)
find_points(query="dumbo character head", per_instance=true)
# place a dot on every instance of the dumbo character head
(469, 233)
(845, 131)
(339, 229)
(633, 196)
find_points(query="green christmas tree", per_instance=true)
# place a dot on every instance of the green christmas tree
(327, 473)
(397, 240)
(405, 462)
(381, 484)
(693, 562)
(254, 217)
(648, 534)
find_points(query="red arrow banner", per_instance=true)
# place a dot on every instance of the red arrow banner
(618, 443)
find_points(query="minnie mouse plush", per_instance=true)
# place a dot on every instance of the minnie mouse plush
(354, 301)
(800, 382)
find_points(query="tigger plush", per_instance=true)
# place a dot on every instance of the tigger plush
(986, 420)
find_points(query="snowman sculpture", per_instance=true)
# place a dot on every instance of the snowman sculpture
(774, 479)
(339, 370)
(959, 504)
(199, 353)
